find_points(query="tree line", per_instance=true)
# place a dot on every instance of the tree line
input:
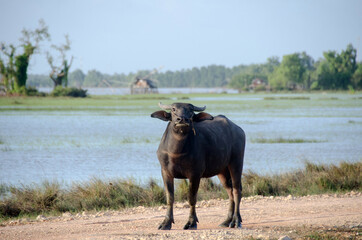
(335, 71)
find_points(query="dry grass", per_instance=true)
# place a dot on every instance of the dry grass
(313, 179)
(51, 198)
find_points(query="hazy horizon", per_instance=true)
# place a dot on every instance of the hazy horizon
(127, 36)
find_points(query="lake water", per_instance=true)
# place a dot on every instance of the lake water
(69, 146)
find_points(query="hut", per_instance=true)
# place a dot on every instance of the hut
(143, 86)
(257, 84)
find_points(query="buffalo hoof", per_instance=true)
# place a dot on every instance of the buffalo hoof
(225, 223)
(190, 226)
(235, 223)
(165, 225)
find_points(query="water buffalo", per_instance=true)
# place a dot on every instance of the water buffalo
(196, 146)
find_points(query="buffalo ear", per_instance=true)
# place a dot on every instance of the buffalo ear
(163, 115)
(202, 116)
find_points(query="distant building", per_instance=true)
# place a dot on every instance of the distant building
(143, 86)
(257, 83)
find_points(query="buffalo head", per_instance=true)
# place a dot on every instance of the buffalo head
(182, 116)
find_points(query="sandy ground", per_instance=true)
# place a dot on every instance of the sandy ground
(263, 218)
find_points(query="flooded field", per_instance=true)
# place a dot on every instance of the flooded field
(114, 136)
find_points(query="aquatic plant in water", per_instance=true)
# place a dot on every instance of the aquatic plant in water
(284, 140)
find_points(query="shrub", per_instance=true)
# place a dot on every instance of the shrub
(33, 92)
(26, 91)
(59, 91)
(260, 88)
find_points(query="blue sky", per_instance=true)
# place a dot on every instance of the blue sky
(126, 36)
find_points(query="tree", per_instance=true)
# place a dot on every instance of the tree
(241, 81)
(59, 73)
(277, 79)
(293, 68)
(357, 77)
(7, 71)
(76, 78)
(93, 78)
(14, 72)
(271, 64)
(336, 70)
(308, 64)
(195, 77)
(291, 72)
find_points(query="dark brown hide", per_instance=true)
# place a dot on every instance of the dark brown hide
(196, 146)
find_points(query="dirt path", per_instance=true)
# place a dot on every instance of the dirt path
(263, 217)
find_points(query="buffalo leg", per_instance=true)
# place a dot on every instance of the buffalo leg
(235, 173)
(225, 179)
(193, 188)
(169, 187)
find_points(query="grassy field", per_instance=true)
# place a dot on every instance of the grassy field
(52, 198)
(283, 101)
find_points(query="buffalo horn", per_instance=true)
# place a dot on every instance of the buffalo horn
(199, 109)
(164, 107)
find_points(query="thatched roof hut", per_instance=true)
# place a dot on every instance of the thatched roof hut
(143, 86)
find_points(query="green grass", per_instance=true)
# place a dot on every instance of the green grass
(106, 100)
(110, 104)
(250, 104)
(288, 98)
(354, 122)
(96, 194)
(283, 140)
(286, 101)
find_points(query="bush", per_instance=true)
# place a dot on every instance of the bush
(26, 91)
(59, 91)
(260, 88)
(33, 92)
